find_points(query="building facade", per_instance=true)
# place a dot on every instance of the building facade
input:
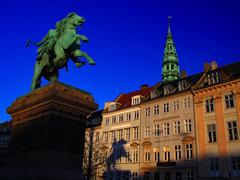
(5, 132)
(217, 111)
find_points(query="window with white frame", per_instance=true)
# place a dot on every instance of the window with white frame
(189, 151)
(190, 175)
(212, 135)
(113, 138)
(135, 155)
(214, 166)
(136, 115)
(166, 129)
(229, 101)
(128, 116)
(147, 155)
(106, 121)
(188, 126)
(182, 85)
(167, 89)
(232, 130)
(213, 78)
(176, 127)
(136, 100)
(166, 107)
(120, 118)
(157, 156)
(134, 176)
(166, 153)
(114, 119)
(187, 102)
(135, 133)
(128, 156)
(209, 104)
(120, 134)
(105, 137)
(156, 109)
(147, 132)
(176, 105)
(112, 106)
(156, 130)
(127, 134)
(97, 136)
(147, 111)
(178, 152)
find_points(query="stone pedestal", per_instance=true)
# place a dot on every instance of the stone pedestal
(48, 132)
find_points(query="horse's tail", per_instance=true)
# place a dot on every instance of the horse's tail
(31, 42)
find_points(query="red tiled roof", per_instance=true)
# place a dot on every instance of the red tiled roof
(125, 99)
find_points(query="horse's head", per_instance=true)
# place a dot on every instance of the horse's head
(75, 19)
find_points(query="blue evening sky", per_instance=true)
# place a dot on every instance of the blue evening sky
(127, 38)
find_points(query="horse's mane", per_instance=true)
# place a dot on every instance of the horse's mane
(60, 26)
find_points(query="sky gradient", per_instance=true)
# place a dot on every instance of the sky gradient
(126, 39)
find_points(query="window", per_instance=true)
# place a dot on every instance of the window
(166, 107)
(134, 176)
(167, 89)
(166, 153)
(97, 136)
(136, 115)
(188, 126)
(120, 118)
(232, 130)
(229, 101)
(209, 105)
(156, 130)
(156, 110)
(114, 119)
(113, 136)
(187, 102)
(157, 156)
(105, 137)
(182, 85)
(120, 134)
(135, 155)
(127, 157)
(127, 134)
(135, 100)
(214, 166)
(189, 151)
(135, 133)
(213, 78)
(190, 175)
(113, 107)
(166, 129)
(212, 137)
(178, 175)
(235, 163)
(128, 116)
(106, 121)
(147, 132)
(147, 111)
(176, 105)
(176, 127)
(178, 152)
(147, 155)
(156, 176)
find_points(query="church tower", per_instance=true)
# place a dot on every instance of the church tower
(170, 66)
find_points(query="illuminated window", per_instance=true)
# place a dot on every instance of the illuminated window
(166, 153)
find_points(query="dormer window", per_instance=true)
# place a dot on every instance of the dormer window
(136, 100)
(113, 106)
(154, 93)
(213, 78)
(182, 85)
(167, 89)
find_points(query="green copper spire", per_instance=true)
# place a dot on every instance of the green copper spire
(170, 67)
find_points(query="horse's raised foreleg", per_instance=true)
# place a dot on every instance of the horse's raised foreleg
(90, 60)
(36, 81)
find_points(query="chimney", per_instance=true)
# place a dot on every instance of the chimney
(207, 66)
(183, 74)
(144, 86)
(214, 65)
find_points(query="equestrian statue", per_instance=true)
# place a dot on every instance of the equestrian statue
(57, 47)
